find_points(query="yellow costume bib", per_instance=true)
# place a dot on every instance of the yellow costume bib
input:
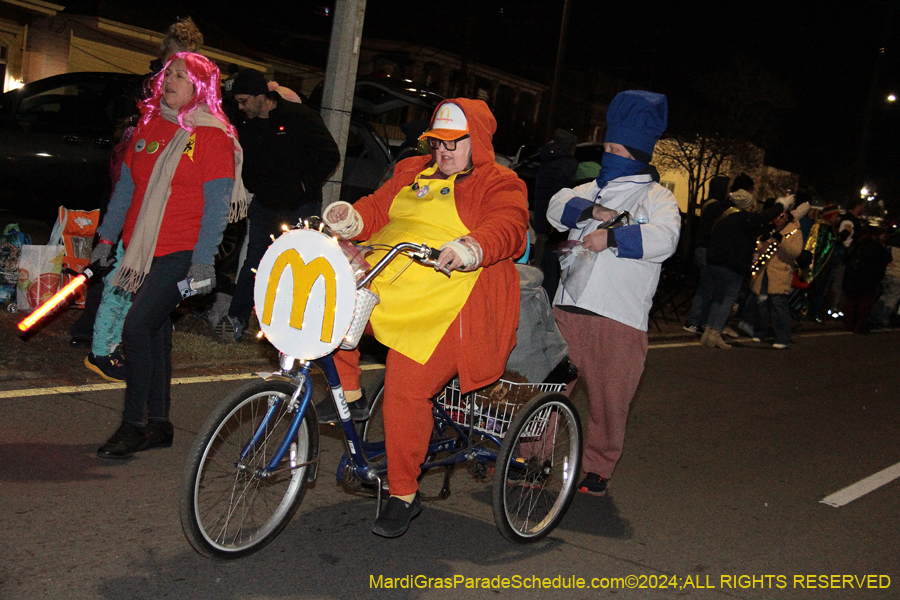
(418, 304)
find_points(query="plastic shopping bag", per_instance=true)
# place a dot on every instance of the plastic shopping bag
(75, 231)
(11, 243)
(576, 267)
(40, 273)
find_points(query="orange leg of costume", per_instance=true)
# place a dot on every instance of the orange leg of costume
(408, 389)
(347, 364)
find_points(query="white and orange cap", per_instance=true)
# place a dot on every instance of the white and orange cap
(449, 123)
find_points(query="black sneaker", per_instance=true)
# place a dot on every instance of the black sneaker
(127, 440)
(159, 434)
(593, 484)
(396, 515)
(359, 410)
(110, 368)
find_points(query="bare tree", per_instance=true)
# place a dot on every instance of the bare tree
(731, 115)
(701, 159)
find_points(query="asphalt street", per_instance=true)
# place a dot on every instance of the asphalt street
(728, 456)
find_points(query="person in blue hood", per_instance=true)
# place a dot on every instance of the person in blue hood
(609, 275)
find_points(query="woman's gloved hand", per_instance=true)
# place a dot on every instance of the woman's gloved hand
(343, 220)
(463, 253)
(203, 276)
(104, 254)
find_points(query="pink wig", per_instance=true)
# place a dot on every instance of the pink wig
(204, 74)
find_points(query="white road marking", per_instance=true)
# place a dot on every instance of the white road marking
(862, 487)
(99, 387)
(742, 341)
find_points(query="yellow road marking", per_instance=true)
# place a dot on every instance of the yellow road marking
(101, 387)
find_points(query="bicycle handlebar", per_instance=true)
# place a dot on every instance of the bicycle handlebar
(421, 252)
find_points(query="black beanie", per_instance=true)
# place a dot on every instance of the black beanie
(250, 82)
(742, 182)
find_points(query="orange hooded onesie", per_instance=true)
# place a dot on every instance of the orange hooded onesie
(492, 203)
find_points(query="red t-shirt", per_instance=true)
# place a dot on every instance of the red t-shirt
(209, 155)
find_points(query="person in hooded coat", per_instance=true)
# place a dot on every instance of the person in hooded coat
(460, 200)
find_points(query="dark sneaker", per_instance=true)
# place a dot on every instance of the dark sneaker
(327, 413)
(127, 440)
(110, 368)
(159, 434)
(396, 515)
(693, 329)
(230, 329)
(593, 484)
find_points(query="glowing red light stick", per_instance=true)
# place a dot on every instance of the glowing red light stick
(55, 300)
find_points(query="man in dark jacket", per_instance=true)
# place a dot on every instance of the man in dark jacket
(557, 171)
(729, 259)
(717, 203)
(288, 156)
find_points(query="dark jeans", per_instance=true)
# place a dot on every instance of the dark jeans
(776, 309)
(702, 299)
(857, 306)
(726, 287)
(263, 223)
(147, 339)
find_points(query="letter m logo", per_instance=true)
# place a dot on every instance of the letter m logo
(305, 276)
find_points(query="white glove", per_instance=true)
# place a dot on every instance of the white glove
(343, 220)
(468, 250)
(786, 201)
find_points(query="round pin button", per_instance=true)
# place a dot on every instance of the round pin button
(152, 147)
(422, 192)
(140, 145)
(445, 191)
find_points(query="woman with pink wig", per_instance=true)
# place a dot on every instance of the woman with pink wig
(179, 186)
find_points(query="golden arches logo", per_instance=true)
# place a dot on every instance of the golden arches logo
(305, 276)
(443, 114)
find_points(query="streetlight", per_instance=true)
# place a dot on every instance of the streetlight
(891, 98)
(864, 193)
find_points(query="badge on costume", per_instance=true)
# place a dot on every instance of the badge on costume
(140, 145)
(422, 192)
(189, 147)
(152, 147)
(445, 191)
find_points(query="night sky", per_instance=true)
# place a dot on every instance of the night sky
(818, 57)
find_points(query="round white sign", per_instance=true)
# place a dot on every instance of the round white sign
(305, 294)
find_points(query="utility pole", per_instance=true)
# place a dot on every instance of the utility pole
(859, 170)
(560, 53)
(340, 83)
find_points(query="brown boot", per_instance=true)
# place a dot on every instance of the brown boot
(704, 339)
(716, 341)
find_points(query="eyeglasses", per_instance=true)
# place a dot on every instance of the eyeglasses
(244, 101)
(435, 144)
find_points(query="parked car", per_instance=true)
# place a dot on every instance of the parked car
(527, 161)
(369, 157)
(55, 139)
(56, 135)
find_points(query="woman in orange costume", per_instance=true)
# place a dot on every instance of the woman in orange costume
(461, 201)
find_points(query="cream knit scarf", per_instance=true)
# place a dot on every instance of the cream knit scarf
(136, 262)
